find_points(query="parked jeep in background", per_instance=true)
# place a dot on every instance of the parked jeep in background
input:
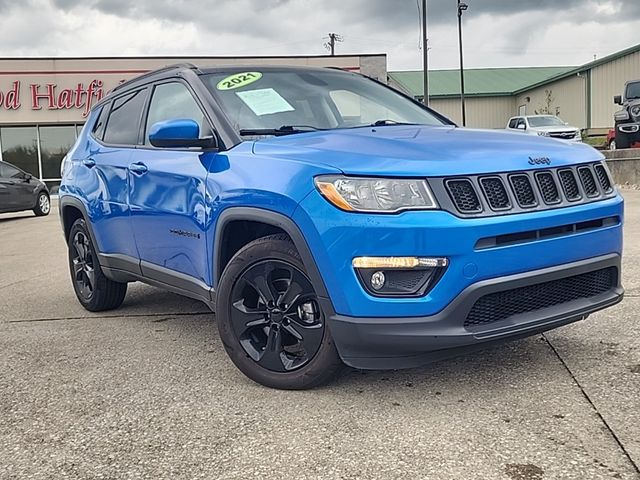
(627, 120)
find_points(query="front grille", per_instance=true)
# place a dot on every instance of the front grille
(523, 190)
(569, 185)
(495, 192)
(603, 179)
(563, 135)
(588, 182)
(499, 306)
(548, 188)
(464, 196)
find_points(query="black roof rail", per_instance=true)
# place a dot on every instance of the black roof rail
(176, 66)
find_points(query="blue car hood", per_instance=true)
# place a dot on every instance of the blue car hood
(424, 151)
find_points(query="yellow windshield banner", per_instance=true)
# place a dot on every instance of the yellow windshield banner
(238, 80)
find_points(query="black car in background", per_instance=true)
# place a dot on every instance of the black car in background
(20, 191)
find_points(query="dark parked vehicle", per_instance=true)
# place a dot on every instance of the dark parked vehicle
(20, 191)
(627, 119)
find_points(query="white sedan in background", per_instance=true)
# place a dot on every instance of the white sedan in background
(545, 126)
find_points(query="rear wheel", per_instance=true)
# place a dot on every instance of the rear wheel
(93, 289)
(43, 205)
(270, 320)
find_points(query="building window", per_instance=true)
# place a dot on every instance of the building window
(55, 142)
(20, 147)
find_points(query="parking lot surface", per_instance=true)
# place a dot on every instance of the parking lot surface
(147, 391)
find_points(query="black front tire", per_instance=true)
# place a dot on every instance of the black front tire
(248, 327)
(94, 290)
(43, 204)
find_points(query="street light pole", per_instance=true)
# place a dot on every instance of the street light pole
(425, 55)
(461, 8)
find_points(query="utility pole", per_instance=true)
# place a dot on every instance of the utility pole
(331, 44)
(461, 8)
(425, 55)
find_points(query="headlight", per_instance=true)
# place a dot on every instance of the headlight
(543, 134)
(383, 195)
(635, 110)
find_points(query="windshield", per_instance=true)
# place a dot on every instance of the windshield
(546, 121)
(633, 91)
(308, 100)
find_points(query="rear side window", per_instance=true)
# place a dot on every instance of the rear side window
(172, 101)
(513, 122)
(123, 126)
(101, 122)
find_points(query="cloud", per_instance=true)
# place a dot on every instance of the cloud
(497, 32)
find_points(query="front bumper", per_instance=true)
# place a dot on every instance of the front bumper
(392, 343)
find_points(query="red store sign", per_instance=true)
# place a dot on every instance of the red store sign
(49, 96)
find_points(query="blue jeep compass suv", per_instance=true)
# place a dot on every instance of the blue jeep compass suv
(329, 219)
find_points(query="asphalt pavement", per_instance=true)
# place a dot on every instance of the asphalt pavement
(147, 391)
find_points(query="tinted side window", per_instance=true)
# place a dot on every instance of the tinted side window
(173, 101)
(8, 171)
(101, 122)
(513, 122)
(123, 125)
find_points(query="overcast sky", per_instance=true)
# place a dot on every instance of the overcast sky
(497, 32)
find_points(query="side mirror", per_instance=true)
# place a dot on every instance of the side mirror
(27, 177)
(617, 99)
(521, 126)
(178, 133)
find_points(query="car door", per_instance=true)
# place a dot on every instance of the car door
(16, 189)
(167, 197)
(105, 161)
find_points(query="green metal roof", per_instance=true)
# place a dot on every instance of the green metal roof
(478, 82)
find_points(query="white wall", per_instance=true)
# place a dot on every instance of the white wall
(482, 112)
(608, 80)
(569, 100)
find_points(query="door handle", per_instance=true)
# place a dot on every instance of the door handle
(89, 162)
(138, 168)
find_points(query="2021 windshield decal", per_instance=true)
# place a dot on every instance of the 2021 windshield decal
(238, 80)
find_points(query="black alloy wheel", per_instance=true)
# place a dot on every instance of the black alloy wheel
(270, 320)
(94, 290)
(84, 274)
(276, 316)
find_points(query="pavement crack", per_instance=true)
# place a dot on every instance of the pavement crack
(22, 281)
(131, 315)
(593, 405)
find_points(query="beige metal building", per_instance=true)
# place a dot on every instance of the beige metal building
(44, 101)
(582, 96)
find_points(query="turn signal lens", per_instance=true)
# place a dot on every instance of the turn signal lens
(399, 262)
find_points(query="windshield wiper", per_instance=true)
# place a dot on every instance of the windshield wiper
(283, 130)
(382, 123)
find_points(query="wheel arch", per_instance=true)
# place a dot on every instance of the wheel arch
(275, 222)
(72, 209)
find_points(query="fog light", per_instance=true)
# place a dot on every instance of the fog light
(377, 280)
